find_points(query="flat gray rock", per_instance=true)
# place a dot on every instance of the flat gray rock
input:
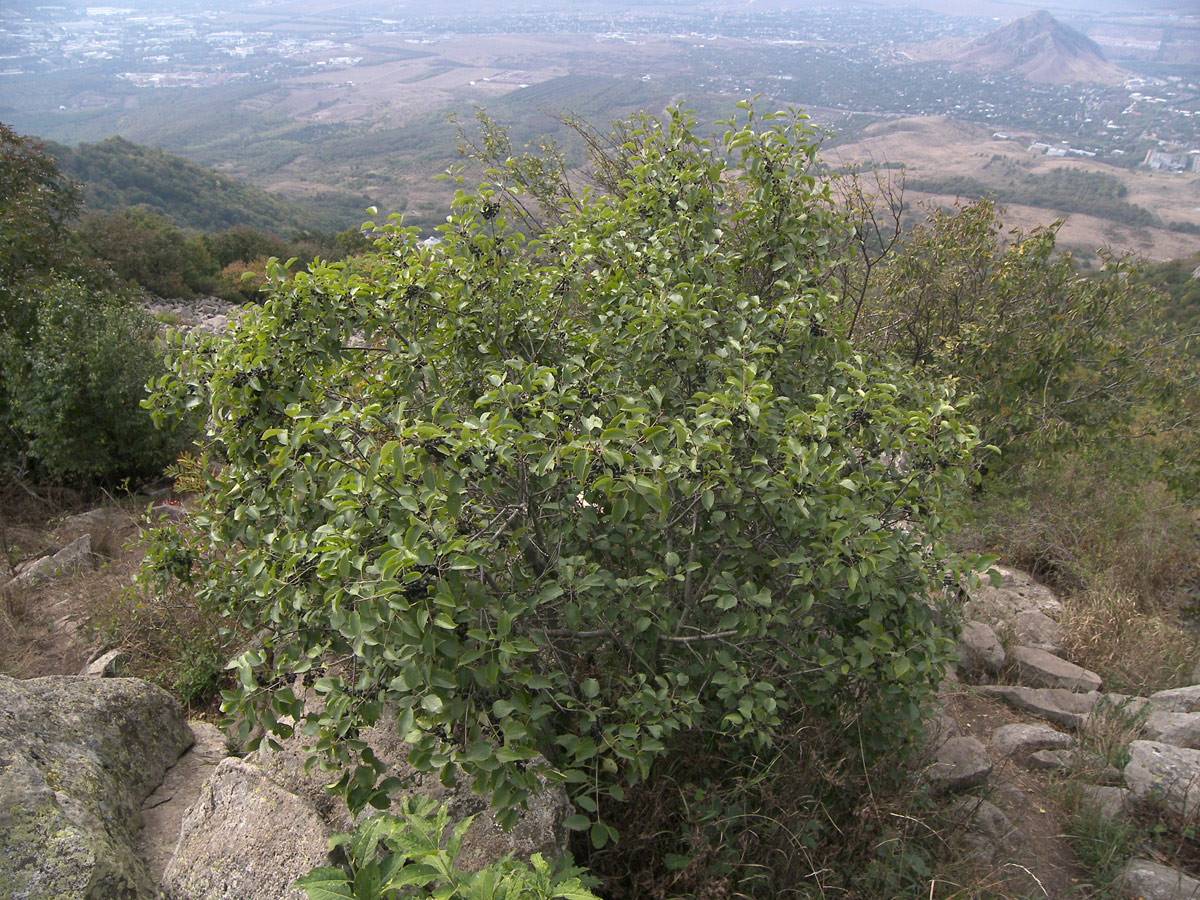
(1109, 802)
(1169, 773)
(77, 758)
(1039, 669)
(1179, 729)
(1018, 592)
(961, 764)
(1036, 629)
(1177, 700)
(1143, 879)
(1065, 708)
(979, 651)
(1024, 738)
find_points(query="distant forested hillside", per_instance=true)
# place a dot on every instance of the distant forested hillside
(117, 173)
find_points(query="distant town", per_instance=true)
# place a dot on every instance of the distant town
(855, 63)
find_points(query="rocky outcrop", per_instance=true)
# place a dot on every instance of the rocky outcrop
(78, 756)
(76, 555)
(1162, 770)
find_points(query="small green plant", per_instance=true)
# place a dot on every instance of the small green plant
(189, 472)
(198, 668)
(411, 855)
(1103, 845)
(1110, 728)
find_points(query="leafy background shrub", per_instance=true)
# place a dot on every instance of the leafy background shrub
(75, 391)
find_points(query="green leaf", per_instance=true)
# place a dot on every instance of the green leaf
(578, 822)
(599, 835)
(326, 883)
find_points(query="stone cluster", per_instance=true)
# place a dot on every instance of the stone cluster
(1035, 677)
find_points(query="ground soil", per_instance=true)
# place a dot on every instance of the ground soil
(1047, 866)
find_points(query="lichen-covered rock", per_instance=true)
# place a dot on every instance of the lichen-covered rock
(77, 758)
(246, 838)
(1171, 774)
(1144, 879)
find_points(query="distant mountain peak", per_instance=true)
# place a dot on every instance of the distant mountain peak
(1043, 49)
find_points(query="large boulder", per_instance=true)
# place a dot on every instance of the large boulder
(78, 756)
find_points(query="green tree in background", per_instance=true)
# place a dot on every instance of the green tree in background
(144, 248)
(1049, 358)
(563, 503)
(75, 349)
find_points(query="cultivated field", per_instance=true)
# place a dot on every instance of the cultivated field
(942, 149)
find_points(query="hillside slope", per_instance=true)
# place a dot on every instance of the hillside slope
(117, 173)
(1042, 49)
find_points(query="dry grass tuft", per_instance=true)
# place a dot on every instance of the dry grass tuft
(1135, 649)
